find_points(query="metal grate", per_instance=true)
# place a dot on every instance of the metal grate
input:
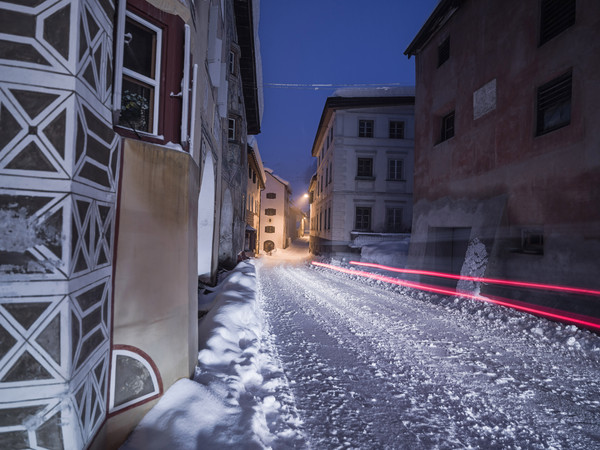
(554, 104)
(556, 16)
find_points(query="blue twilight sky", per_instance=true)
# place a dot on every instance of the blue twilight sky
(326, 41)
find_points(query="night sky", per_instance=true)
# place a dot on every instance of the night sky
(340, 42)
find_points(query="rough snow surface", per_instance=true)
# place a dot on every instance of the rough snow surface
(304, 357)
(373, 366)
(239, 396)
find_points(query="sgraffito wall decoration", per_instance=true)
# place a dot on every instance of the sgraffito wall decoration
(59, 163)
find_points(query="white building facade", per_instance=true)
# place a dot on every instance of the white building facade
(274, 207)
(364, 180)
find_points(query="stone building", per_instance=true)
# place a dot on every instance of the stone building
(362, 190)
(506, 150)
(104, 153)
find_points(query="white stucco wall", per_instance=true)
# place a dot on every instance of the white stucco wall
(273, 185)
(346, 192)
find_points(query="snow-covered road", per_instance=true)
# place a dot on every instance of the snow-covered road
(372, 367)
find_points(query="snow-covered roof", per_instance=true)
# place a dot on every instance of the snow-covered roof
(278, 178)
(392, 91)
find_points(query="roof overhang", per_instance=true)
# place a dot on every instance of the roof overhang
(438, 18)
(245, 29)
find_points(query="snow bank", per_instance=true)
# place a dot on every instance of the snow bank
(388, 253)
(237, 398)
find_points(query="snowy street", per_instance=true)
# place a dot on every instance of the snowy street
(295, 356)
(370, 367)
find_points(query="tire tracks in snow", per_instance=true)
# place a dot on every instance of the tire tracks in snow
(422, 374)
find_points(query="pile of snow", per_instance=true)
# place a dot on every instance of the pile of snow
(474, 266)
(388, 253)
(239, 397)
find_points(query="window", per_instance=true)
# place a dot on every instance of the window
(447, 126)
(364, 167)
(231, 130)
(271, 195)
(363, 218)
(555, 17)
(394, 220)
(330, 175)
(395, 169)
(249, 173)
(269, 229)
(444, 51)
(365, 128)
(253, 177)
(329, 219)
(396, 130)
(231, 63)
(270, 212)
(532, 241)
(147, 42)
(140, 88)
(321, 184)
(320, 220)
(554, 104)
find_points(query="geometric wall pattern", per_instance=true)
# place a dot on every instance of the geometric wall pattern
(59, 165)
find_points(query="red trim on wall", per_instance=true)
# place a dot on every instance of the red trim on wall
(156, 373)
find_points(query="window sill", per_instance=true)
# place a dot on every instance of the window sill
(396, 179)
(139, 135)
(550, 130)
(364, 178)
(522, 251)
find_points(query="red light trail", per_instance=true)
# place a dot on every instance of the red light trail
(550, 313)
(549, 287)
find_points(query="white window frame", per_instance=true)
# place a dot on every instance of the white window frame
(231, 129)
(398, 171)
(231, 62)
(120, 70)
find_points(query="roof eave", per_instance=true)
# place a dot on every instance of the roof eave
(245, 30)
(438, 18)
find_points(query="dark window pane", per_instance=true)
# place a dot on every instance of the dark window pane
(394, 220)
(365, 128)
(363, 218)
(139, 54)
(270, 212)
(396, 130)
(556, 16)
(444, 52)
(364, 167)
(137, 100)
(395, 169)
(448, 126)
(554, 104)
